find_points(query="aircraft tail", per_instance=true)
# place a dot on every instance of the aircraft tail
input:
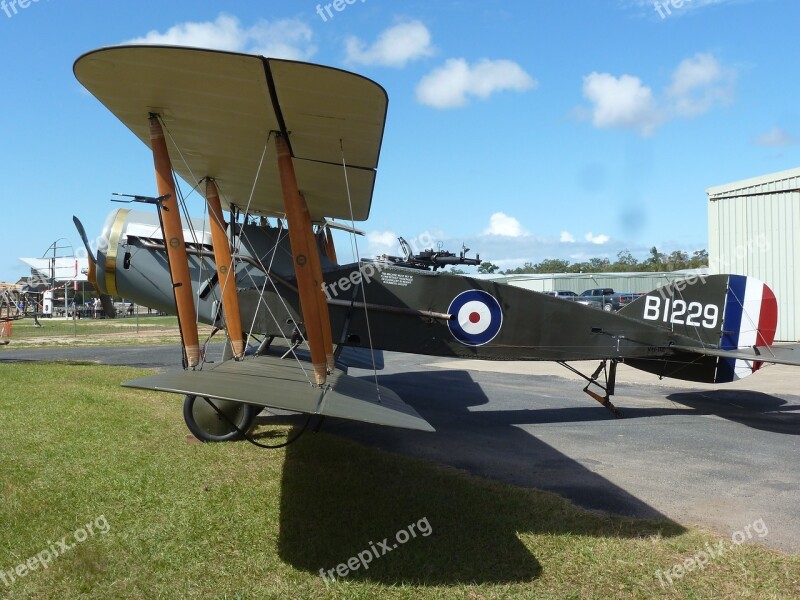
(727, 320)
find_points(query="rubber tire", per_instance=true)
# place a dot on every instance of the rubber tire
(243, 415)
(608, 307)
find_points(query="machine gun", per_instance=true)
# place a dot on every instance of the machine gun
(431, 259)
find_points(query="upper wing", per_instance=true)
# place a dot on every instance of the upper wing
(219, 109)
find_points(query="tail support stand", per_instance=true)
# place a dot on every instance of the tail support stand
(609, 375)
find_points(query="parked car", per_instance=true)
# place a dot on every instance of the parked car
(620, 299)
(561, 294)
(609, 299)
(601, 295)
(573, 297)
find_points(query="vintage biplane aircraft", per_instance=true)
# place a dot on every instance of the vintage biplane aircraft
(11, 309)
(17, 302)
(299, 143)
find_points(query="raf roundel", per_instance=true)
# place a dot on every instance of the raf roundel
(477, 317)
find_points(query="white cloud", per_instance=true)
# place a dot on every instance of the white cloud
(775, 138)
(450, 85)
(395, 47)
(286, 38)
(596, 239)
(382, 242)
(621, 102)
(698, 83)
(567, 237)
(502, 224)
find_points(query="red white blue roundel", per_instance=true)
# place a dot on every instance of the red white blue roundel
(477, 317)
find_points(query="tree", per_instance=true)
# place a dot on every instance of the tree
(487, 268)
(656, 260)
(524, 269)
(580, 267)
(552, 265)
(699, 259)
(625, 262)
(677, 260)
(599, 265)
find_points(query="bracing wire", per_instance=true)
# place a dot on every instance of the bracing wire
(354, 245)
(268, 281)
(237, 247)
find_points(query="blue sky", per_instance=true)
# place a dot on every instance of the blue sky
(525, 129)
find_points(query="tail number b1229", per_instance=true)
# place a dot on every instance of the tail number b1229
(680, 312)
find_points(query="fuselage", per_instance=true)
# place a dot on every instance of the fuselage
(372, 304)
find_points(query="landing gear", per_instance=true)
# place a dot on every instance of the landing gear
(218, 420)
(609, 375)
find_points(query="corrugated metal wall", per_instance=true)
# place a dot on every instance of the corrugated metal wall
(754, 230)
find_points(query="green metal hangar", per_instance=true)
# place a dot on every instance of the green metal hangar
(754, 230)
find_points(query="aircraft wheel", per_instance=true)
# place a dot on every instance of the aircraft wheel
(607, 307)
(207, 425)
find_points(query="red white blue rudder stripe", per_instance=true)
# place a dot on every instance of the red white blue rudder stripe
(750, 319)
(477, 317)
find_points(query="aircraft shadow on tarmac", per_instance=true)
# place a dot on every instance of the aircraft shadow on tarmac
(753, 409)
(326, 517)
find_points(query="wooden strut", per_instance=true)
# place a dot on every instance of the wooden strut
(330, 245)
(322, 302)
(226, 270)
(170, 216)
(307, 266)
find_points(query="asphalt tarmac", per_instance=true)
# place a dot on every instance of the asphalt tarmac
(715, 456)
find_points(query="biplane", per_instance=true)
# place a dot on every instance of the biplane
(17, 302)
(290, 150)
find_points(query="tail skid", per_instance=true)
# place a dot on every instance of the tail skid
(610, 376)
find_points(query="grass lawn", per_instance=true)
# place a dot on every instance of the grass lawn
(89, 332)
(178, 520)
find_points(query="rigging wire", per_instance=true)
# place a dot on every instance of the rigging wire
(354, 246)
(243, 238)
(181, 201)
(239, 241)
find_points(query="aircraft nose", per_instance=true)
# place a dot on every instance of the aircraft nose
(92, 276)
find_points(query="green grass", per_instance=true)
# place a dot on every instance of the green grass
(233, 521)
(87, 332)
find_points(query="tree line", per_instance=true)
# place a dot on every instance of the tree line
(625, 262)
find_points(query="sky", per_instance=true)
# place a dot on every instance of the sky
(524, 130)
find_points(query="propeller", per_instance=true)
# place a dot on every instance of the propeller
(105, 299)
